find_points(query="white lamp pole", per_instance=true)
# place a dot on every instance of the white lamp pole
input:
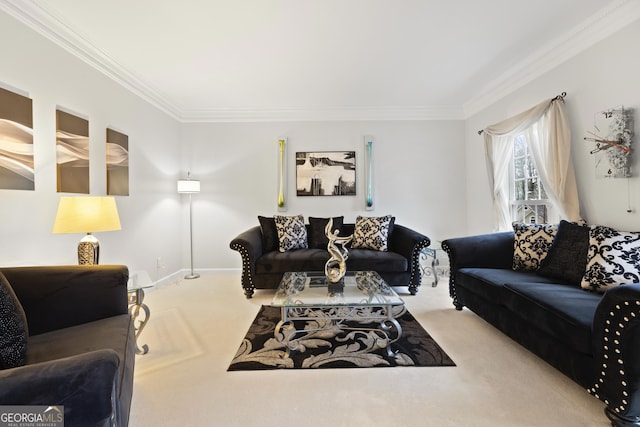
(190, 186)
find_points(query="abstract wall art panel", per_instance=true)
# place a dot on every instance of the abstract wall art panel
(117, 163)
(72, 153)
(282, 174)
(368, 173)
(327, 173)
(16, 142)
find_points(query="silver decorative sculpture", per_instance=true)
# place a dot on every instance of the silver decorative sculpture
(336, 267)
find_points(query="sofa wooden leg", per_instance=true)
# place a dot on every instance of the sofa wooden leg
(413, 289)
(248, 292)
(618, 421)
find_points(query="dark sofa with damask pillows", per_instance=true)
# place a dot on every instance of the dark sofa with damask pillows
(67, 340)
(285, 243)
(569, 293)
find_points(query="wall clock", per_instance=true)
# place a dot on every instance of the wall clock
(612, 135)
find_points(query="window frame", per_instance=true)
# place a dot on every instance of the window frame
(540, 208)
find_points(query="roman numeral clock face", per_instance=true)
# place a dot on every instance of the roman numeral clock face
(612, 136)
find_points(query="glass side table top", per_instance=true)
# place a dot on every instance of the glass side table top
(311, 289)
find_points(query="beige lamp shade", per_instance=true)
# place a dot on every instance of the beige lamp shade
(86, 215)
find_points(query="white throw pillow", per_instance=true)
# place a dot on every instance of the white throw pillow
(292, 233)
(531, 244)
(372, 233)
(613, 258)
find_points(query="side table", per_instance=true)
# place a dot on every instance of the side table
(136, 303)
(431, 268)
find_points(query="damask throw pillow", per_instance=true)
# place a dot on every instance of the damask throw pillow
(14, 332)
(372, 233)
(292, 233)
(567, 256)
(531, 243)
(613, 258)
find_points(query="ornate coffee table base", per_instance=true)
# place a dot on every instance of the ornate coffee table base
(389, 329)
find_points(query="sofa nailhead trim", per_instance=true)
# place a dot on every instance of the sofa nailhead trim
(624, 311)
(415, 280)
(247, 279)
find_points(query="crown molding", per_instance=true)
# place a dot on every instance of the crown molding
(303, 114)
(52, 27)
(45, 23)
(597, 27)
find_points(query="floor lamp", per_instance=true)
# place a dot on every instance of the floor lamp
(190, 186)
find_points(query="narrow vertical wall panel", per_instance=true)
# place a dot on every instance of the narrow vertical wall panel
(282, 174)
(117, 163)
(72, 153)
(16, 142)
(368, 173)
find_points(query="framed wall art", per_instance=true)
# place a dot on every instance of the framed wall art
(16, 142)
(326, 173)
(117, 163)
(72, 153)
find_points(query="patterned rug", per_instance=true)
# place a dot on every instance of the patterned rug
(335, 347)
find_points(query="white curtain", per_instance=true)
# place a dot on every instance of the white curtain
(546, 128)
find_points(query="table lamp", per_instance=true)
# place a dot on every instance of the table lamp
(190, 186)
(87, 215)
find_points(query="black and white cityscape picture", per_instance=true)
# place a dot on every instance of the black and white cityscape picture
(326, 173)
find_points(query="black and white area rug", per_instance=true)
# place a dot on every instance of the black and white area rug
(335, 347)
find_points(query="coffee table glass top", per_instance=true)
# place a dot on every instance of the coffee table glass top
(311, 289)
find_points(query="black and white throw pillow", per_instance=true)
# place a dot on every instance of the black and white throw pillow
(531, 243)
(613, 258)
(14, 331)
(292, 233)
(372, 233)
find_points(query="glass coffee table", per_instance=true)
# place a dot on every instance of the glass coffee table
(363, 298)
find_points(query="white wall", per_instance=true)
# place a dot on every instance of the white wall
(149, 216)
(604, 76)
(419, 177)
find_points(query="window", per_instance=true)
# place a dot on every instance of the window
(529, 202)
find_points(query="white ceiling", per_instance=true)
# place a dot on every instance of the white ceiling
(230, 60)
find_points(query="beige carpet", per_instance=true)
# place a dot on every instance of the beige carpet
(196, 326)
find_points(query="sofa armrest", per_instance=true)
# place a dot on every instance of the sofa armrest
(616, 341)
(56, 297)
(249, 245)
(493, 250)
(84, 384)
(409, 243)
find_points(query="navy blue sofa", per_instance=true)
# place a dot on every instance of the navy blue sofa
(592, 338)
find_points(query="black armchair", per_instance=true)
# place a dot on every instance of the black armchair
(80, 350)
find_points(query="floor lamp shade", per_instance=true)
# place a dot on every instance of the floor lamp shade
(87, 215)
(190, 186)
